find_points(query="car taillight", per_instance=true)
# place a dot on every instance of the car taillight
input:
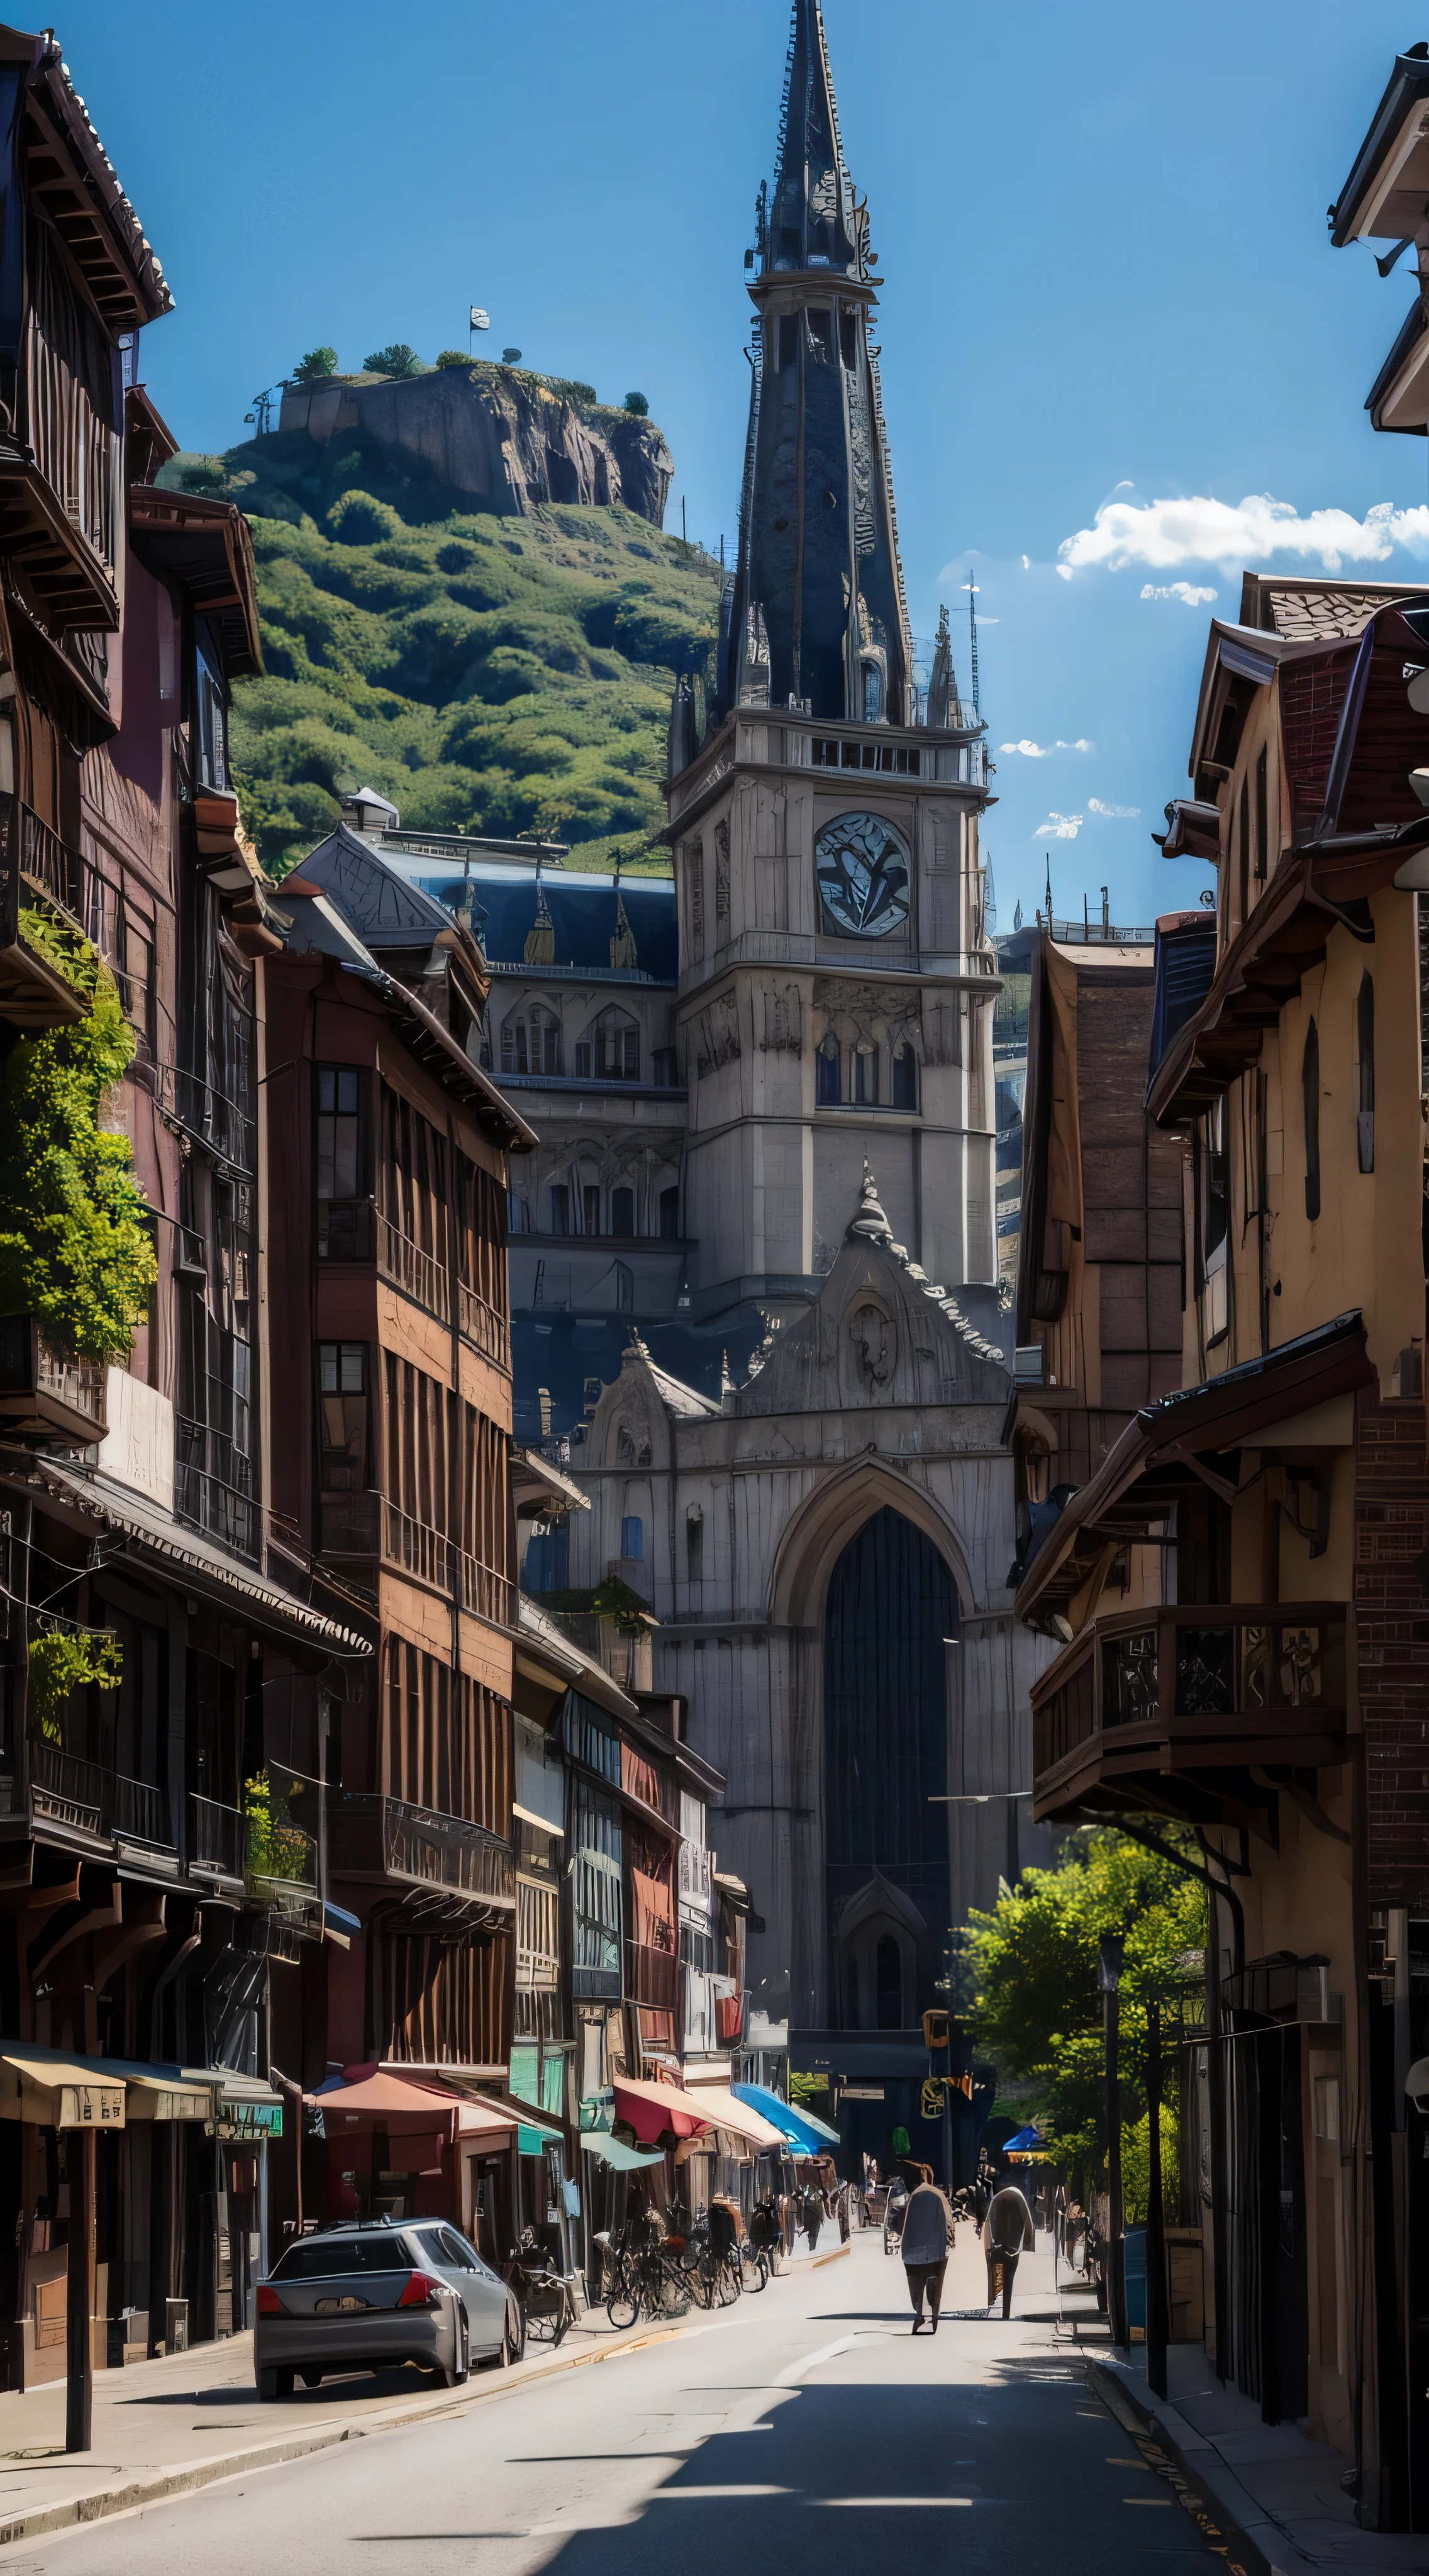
(269, 2303)
(421, 2292)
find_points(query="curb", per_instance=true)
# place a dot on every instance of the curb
(164, 2484)
(1228, 2516)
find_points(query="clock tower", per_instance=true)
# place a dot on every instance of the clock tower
(826, 784)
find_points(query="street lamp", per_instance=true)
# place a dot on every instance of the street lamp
(1112, 1947)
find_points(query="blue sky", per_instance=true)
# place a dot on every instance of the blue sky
(1108, 287)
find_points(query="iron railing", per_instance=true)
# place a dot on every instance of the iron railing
(88, 1798)
(480, 1324)
(410, 1268)
(226, 1129)
(213, 1485)
(349, 1524)
(218, 1838)
(416, 1547)
(485, 1592)
(77, 1384)
(371, 1835)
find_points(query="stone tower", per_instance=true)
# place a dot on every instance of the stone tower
(836, 983)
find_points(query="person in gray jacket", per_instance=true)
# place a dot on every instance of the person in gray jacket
(1007, 2231)
(927, 2234)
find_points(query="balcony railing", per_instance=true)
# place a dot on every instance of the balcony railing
(415, 1547)
(410, 1268)
(651, 1976)
(282, 1867)
(481, 1325)
(43, 1395)
(218, 1839)
(1187, 1690)
(83, 1798)
(209, 1116)
(485, 1592)
(372, 1836)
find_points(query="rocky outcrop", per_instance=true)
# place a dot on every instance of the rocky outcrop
(496, 436)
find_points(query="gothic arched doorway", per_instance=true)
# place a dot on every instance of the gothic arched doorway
(891, 1603)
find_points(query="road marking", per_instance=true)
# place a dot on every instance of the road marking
(885, 2503)
(1168, 2501)
(711, 2495)
(794, 2371)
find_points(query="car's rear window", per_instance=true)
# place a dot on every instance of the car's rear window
(319, 2258)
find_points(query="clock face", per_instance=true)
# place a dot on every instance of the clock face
(862, 867)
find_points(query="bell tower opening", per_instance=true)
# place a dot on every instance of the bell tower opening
(891, 1603)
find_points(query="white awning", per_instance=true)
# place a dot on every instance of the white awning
(57, 2092)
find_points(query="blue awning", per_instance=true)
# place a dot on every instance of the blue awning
(1022, 2142)
(806, 2134)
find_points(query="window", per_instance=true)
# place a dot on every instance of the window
(821, 333)
(342, 1418)
(518, 1213)
(617, 1047)
(531, 1042)
(695, 880)
(848, 336)
(670, 1214)
(905, 1078)
(339, 1155)
(1262, 816)
(622, 1212)
(583, 1073)
(212, 729)
(590, 1208)
(1364, 1016)
(872, 693)
(789, 326)
(865, 1074)
(560, 1208)
(889, 1974)
(546, 1567)
(1310, 1090)
(1243, 866)
(694, 1543)
(826, 1073)
(632, 1538)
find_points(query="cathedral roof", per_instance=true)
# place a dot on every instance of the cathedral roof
(585, 913)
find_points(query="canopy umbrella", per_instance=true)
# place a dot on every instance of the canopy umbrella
(807, 2134)
(655, 2111)
(622, 2159)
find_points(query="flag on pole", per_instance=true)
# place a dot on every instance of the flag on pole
(480, 321)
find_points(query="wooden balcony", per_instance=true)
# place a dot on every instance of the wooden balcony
(40, 533)
(44, 1397)
(370, 1836)
(38, 871)
(1201, 1712)
(651, 1976)
(84, 1807)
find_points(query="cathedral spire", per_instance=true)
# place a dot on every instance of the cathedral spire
(817, 615)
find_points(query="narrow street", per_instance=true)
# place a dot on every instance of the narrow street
(754, 2423)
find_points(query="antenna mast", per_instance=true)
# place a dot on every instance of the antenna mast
(970, 587)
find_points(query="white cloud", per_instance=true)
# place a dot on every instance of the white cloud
(1044, 750)
(1195, 594)
(1113, 813)
(1059, 827)
(1162, 534)
(1027, 563)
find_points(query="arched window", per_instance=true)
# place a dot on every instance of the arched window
(826, 1073)
(890, 1984)
(1365, 1030)
(622, 1211)
(610, 1050)
(905, 1077)
(531, 1041)
(632, 1539)
(865, 1073)
(1310, 1090)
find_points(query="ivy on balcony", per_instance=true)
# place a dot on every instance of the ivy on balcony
(64, 1660)
(74, 1247)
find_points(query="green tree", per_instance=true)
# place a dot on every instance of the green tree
(638, 404)
(1037, 2005)
(317, 364)
(397, 359)
(74, 1245)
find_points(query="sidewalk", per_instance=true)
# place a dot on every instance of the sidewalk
(165, 2428)
(1267, 2497)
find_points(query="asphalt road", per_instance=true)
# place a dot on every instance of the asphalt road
(802, 2428)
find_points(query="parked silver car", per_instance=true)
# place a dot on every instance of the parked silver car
(370, 2294)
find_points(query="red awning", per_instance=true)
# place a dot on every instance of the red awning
(652, 2110)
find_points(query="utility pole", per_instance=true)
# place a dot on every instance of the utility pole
(1113, 1950)
(1157, 2320)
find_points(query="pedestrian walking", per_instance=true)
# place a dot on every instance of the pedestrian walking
(927, 2234)
(1007, 2232)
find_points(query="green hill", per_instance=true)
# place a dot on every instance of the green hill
(489, 674)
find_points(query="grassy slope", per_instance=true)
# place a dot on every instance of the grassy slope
(491, 675)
